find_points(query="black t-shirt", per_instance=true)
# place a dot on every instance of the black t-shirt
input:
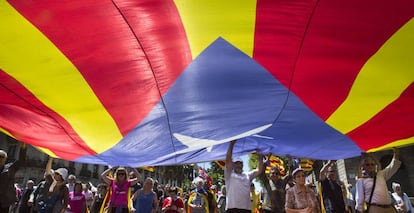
(332, 196)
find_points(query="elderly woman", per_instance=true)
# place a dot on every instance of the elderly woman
(300, 198)
(402, 202)
(119, 186)
(198, 202)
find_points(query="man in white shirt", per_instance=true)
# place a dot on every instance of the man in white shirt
(238, 182)
(381, 200)
(71, 182)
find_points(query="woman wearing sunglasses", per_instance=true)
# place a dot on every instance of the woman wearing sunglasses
(119, 187)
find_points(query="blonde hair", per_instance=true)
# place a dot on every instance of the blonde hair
(121, 169)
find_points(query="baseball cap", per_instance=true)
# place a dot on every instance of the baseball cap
(237, 159)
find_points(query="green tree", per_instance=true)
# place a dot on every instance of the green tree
(216, 173)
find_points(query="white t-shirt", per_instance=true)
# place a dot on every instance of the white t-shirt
(380, 195)
(238, 189)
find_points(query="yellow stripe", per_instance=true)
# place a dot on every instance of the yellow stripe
(35, 62)
(206, 20)
(6, 132)
(399, 143)
(47, 151)
(381, 81)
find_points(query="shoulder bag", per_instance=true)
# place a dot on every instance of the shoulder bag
(372, 193)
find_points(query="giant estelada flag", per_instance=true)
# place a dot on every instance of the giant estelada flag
(161, 82)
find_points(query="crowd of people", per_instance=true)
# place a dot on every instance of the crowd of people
(121, 191)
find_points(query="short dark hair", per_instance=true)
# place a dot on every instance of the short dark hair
(275, 169)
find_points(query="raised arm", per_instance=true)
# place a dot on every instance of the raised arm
(322, 173)
(396, 153)
(260, 166)
(138, 177)
(49, 166)
(229, 155)
(105, 177)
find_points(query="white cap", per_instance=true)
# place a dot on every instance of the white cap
(62, 172)
(237, 159)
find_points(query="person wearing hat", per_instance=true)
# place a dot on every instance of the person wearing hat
(402, 201)
(238, 182)
(58, 195)
(7, 178)
(300, 197)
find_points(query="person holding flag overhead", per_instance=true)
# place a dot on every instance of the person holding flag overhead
(120, 189)
(275, 185)
(238, 182)
(332, 194)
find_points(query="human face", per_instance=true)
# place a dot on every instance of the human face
(78, 187)
(369, 165)
(238, 167)
(172, 194)
(121, 174)
(148, 183)
(57, 176)
(71, 180)
(398, 190)
(331, 173)
(274, 175)
(300, 178)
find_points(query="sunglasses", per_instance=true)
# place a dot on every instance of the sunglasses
(121, 173)
(369, 164)
(1, 156)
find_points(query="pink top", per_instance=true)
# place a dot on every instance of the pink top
(76, 202)
(119, 195)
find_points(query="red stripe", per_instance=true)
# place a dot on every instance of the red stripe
(394, 123)
(100, 39)
(25, 117)
(341, 37)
